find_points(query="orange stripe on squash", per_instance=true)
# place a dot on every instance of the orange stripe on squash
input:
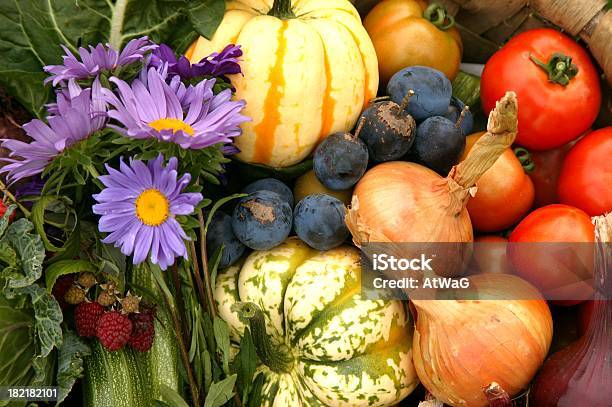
(329, 103)
(266, 128)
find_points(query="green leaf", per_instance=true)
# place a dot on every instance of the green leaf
(70, 363)
(63, 267)
(248, 363)
(206, 15)
(38, 219)
(222, 338)
(171, 397)
(220, 392)
(29, 248)
(47, 313)
(32, 31)
(255, 399)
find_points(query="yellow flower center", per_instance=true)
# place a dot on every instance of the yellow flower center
(152, 207)
(171, 124)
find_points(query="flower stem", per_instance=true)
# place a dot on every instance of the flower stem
(116, 23)
(204, 256)
(198, 277)
(14, 200)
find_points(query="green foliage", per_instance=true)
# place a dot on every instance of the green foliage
(48, 207)
(70, 363)
(253, 172)
(220, 392)
(63, 267)
(32, 31)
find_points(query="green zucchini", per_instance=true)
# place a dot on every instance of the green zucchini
(162, 360)
(113, 379)
(127, 378)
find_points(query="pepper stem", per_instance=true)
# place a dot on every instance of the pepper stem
(559, 68)
(462, 116)
(524, 157)
(405, 101)
(282, 9)
(438, 16)
(276, 356)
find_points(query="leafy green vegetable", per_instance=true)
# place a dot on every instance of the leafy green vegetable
(32, 31)
(172, 398)
(220, 392)
(28, 251)
(70, 363)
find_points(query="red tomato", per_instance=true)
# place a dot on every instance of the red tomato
(550, 114)
(545, 176)
(504, 193)
(586, 175)
(561, 272)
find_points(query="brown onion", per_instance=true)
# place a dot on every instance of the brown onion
(407, 202)
(581, 374)
(463, 347)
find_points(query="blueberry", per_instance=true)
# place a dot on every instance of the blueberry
(262, 220)
(319, 221)
(388, 131)
(454, 112)
(220, 233)
(273, 185)
(438, 144)
(340, 161)
(432, 91)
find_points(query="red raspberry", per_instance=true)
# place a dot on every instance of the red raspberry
(86, 316)
(60, 288)
(143, 330)
(114, 330)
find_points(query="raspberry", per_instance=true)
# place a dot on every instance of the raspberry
(86, 316)
(114, 330)
(106, 298)
(130, 303)
(143, 330)
(87, 280)
(75, 295)
(60, 288)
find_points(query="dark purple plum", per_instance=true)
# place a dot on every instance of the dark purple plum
(341, 160)
(262, 220)
(454, 113)
(273, 185)
(438, 144)
(220, 233)
(432, 91)
(319, 221)
(388, 131)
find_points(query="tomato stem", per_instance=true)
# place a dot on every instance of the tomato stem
(282, 9)
(438, 16)
(559, 68)
(524, 157)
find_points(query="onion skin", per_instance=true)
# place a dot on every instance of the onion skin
(461, 347)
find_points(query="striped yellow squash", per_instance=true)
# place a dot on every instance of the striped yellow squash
(320, 344)
(309, 69)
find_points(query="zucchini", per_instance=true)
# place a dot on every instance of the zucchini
(127, 378)
(161, 362)
(113, 379)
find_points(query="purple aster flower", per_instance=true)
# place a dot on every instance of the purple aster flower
(193, 119)
(96, 60)
(74, 120)
(138, 209)
(217, 64)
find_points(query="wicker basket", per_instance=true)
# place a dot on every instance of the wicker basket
(486, 24)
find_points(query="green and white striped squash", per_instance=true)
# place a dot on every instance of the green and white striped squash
(320, 343)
